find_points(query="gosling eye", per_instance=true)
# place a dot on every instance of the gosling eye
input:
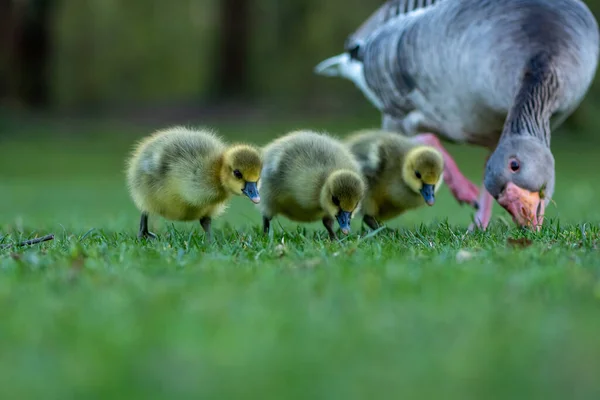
(237, 174)
(418, 174)
(514, 165)
(335, 201)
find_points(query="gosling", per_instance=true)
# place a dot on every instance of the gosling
(308, 176)
(183, 174)
(401, 175)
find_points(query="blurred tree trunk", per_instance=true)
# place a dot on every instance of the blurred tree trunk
(231, 74)
(25, 40)
(5, 40)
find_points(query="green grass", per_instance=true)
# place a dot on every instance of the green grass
(403, 313)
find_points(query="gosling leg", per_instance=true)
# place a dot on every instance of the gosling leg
(143, 232)
(328, 223)
(205, 222)
(266, 225)
(371, 222)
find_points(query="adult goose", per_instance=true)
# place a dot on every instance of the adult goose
(498, 74)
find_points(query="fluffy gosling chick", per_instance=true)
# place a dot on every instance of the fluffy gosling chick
(308, 176)
(401, 174)
(184, 174)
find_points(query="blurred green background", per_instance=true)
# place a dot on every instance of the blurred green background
(107, 56)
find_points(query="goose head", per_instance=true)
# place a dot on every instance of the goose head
(520, 176)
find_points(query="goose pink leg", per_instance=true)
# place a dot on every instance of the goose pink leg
(463, 190)
(484, 213)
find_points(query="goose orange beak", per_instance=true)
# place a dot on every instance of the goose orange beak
(527, 208)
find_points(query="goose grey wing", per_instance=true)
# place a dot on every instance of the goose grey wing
(386, 72)
(388, 11)
(383, 44)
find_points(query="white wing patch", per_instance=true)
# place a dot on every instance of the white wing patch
(342, 65)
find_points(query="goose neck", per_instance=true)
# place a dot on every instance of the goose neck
(534, 103)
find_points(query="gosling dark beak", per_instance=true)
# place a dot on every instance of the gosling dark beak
(251, 191)
(527, 208)
(428, 193)
(344, 220)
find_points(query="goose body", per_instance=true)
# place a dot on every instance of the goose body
(461, 62)
(498, 74)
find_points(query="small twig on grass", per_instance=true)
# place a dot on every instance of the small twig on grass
(29, 242)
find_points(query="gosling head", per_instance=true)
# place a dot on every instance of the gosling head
(520, 176)
(341, 196)
(240, 171)
(423, 169)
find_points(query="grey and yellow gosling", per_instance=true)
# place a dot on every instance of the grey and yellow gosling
(308, 176)
(184, 174)
(401, 175)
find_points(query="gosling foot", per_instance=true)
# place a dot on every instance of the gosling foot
(143, 233)
(147, 235)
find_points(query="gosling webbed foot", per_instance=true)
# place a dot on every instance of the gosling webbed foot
(144, 233)
(147, 235)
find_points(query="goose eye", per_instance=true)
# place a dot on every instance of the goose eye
(237, 174)
(514, 165)
(335, 201)
(418, 174)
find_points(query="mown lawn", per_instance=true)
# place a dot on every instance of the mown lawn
(420, 310)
